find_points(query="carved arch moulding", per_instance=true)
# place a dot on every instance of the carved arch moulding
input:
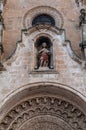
(31, 14)
(44, 111)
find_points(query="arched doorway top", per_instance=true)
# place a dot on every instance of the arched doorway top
(57, 101)
(43, 88)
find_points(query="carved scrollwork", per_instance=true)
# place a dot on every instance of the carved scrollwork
(42, 107)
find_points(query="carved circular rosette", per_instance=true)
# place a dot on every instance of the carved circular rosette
(31, 14)
(44, 109)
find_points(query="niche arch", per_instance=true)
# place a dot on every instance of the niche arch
(43, 102)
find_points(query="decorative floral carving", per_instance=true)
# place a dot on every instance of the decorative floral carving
(48, 106)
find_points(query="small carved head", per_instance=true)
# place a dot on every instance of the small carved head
(44, 45)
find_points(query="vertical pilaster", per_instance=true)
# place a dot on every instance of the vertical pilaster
(84, 38)
(1, 34)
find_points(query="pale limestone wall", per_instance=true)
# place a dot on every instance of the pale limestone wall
(20, 67)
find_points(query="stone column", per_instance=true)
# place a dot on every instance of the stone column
(51, 58)
(1, 21)
(84, 38)
(35, 59)
(1, 34)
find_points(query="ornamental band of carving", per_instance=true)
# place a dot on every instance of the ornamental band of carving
(43, 107)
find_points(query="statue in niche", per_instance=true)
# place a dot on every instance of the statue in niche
(43, 55)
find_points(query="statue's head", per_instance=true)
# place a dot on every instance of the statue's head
(44, 44)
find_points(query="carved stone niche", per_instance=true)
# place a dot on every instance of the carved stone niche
(45, 113)
(44, 53)
(39, 35)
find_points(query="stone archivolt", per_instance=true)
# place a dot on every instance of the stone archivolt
(43, 113)
(31, 14)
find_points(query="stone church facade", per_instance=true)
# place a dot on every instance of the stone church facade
(43, 65)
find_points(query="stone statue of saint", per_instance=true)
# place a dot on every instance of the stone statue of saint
(43, 55)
